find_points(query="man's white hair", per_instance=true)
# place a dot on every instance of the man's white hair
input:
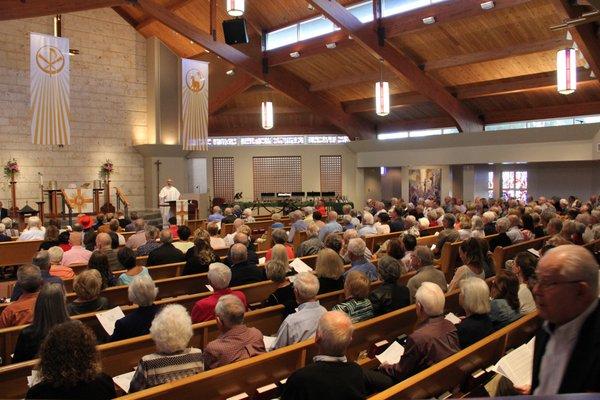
(357, 247)
(489, 216)
(306, 285)
(431, 298)
(171, 329)
(334, 333)
(502, 224)
(230, 310)
(578, 263)
(219, 275)
(56, 254)
(34, 222)
(367, 218)
(142, 291)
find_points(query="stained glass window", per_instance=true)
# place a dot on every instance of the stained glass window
(491, 184)
(514, 185)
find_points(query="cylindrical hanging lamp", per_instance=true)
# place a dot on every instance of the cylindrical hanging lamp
(382, 95)
(235, 8)
(566, 71)
(267, 114)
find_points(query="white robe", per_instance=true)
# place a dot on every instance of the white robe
(167, 194)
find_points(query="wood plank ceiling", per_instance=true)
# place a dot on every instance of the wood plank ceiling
(487, 66)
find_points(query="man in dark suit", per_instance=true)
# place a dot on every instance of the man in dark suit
(167, 253)
(245, 240)
(502, 239)
(330, 376)
(3, 211)
(243, 271)
(567, 348)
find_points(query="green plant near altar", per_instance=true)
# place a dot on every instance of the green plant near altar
(106, 170)
(11, 169)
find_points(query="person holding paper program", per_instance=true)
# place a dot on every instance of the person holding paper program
(567, 348)
(433, 340)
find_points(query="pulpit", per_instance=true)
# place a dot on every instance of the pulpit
(52, 191)
(24, 214)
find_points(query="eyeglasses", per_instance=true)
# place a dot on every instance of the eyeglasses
(534, 280)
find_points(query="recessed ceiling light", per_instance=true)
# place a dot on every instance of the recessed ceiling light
(311, 7)
(429, 20)
(487, 5)
(230, 72)
(294, 54)
(331, 45)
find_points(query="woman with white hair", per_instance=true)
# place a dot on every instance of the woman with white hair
(10, 231)
(171, 332)
(247, 215)
(477, 227)
(34, 230)
(56, 267)
(411, 226)
(312, 244)
(475, 300)
(142, 292)
(4, 237)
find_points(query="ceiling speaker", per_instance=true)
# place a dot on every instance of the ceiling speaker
(235, 31)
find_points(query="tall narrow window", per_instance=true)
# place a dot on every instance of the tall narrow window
(490, 184)
(331, 174)
(514, 185)
(277, 174)
(223, 178)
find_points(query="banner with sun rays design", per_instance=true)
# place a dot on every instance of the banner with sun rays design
(49, 88)
(194, 107)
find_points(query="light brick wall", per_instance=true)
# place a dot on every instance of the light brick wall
(108, 105)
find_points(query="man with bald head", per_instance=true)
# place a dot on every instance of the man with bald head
(77, 254)
(243, 271)
(104, 246)
(166, 253)
(567, 348)
(330, 375)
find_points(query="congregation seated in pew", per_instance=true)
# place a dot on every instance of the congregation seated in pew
(183, 244)
(219, 276)
(104, 245)
(356, 304)
(199, 257)
(277, 271)
(50, 310)
(171, 331)
(391, 295)
(505, 307)
(280, 236)
(127, 259)
(34, 231)
(20, 311)
(150, 242)
(166, 253)
(243, 269)
(99, 262)
(524, 266)
(358, 262)
(422, 262)
(313, 242)
(42, 261)
(473, 256)
(216, 241)
(329, 270)
(88, 287)
(57, 269)
(142, 292)
(77, 254)
(236, 341)
(475, 300)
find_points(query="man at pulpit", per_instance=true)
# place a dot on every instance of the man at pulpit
(167, 193)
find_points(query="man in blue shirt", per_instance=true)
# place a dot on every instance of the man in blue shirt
(356, 253)
(298, 224)
(216, 216)
(331, 226)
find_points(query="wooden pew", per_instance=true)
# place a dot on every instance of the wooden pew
(432, 230)
(18, 252)
(449, 259)
(501, 254)
(453, 372)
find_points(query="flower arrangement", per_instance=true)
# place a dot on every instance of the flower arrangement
(11, 168)
(106, 169)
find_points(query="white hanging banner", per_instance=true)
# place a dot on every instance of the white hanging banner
(49, 89)
(194, 108)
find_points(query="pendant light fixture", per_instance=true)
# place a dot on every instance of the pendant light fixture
(566, 70)
(382, 94)
(235, 8)
(267, 114)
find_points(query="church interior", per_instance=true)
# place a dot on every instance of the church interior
(226, 138)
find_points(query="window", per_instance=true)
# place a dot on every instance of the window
(314, 27)
(490, 184)
(391, 7)
(543, 123)
(417, 133)
(223, 178)
(282, 37)
(514, 185)
(277, 174)
(331, 174)
(275, 140)
(363, 11)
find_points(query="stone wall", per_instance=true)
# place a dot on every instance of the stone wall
(108, 104)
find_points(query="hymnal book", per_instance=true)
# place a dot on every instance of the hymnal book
(124, 380)
(518, 364)
(300, 266)
(269, 342)
(392, 354)
(108, 319)
(453, 318)
(262, 260)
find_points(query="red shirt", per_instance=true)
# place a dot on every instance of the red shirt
(288, 248)
(204, 310)
(322, 210)
(173, 229)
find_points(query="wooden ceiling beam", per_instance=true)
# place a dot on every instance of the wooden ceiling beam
(526, 114)
(473, 90)
(394, 25)
(511, 51)
(173, 6)
(241, 82)
(281, 80)
(466, 119)
(276, 130)
(18, 9)
(586, 36)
